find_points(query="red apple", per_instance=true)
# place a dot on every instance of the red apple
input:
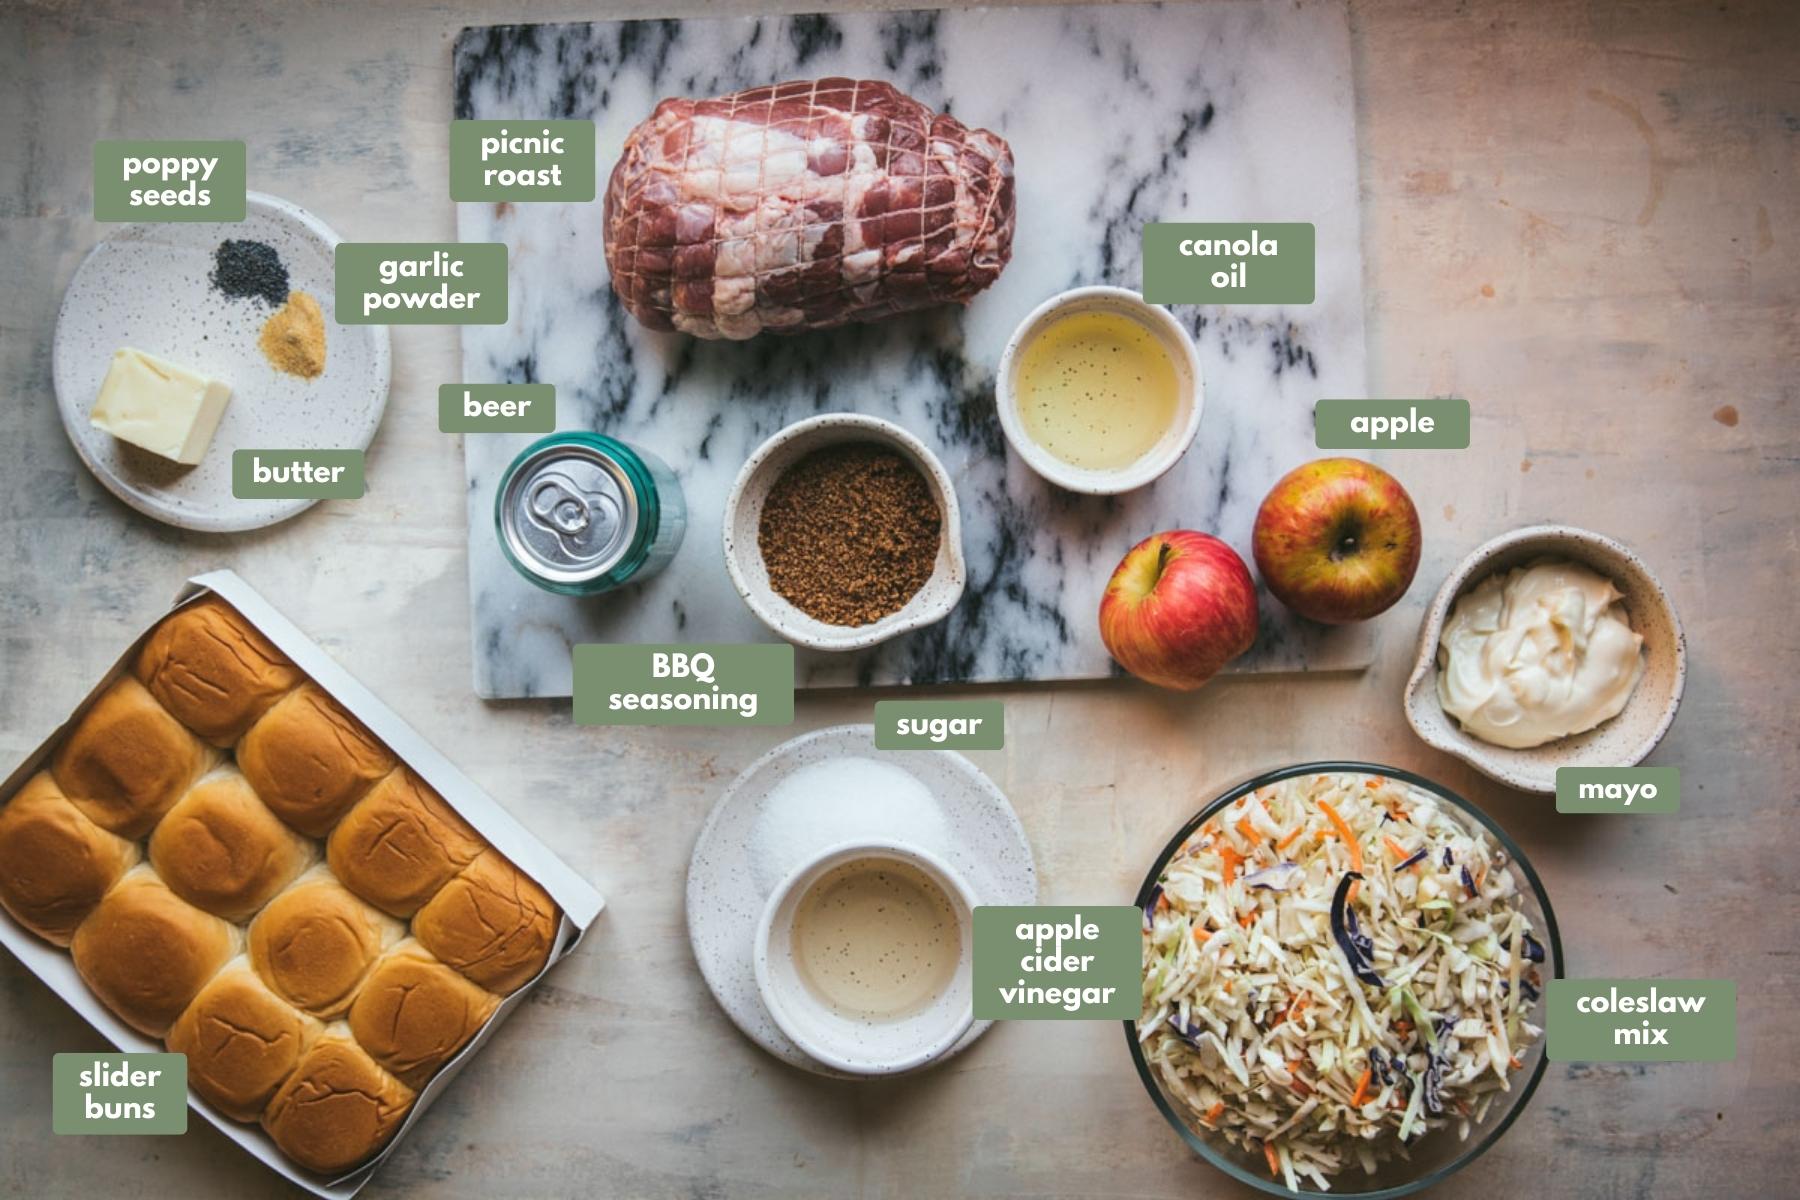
(1337, 540)
(1180, 606)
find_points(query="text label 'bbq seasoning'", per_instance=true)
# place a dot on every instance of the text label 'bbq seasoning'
(850, 533)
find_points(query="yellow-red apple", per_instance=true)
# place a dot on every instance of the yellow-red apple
(1337, 540)
(1179, 607)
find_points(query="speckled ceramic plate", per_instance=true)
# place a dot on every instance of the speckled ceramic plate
(748, 845)
(146, 286)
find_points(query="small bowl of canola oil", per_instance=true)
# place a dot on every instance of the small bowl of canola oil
(1099, 392)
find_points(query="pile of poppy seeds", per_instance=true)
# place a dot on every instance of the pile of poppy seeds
(850, 533)
(245, 269)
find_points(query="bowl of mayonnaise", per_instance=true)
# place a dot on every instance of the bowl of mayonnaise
(1547, 647)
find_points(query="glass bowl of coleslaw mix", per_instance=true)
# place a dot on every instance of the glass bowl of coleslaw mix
(1344, 967)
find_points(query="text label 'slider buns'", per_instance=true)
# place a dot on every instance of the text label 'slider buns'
(55, 864)
(414, 1013)
(127, 760)
(213, 670)
(310, 760)
(315, 942)
(400, 844)
(338, 1107)
(222, 849)
(491, 923)
(146, 952)
(241, 1041)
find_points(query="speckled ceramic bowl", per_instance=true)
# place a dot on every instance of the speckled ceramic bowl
(860, 1045)
(1623, 741)
(743, 517)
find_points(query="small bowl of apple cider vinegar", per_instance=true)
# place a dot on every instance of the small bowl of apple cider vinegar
(1099, 392)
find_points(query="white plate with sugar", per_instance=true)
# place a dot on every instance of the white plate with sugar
(822, 789)
(149, 287)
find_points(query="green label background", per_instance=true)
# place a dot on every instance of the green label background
(349, 487)
(604, 670)
(1707, 1036)
(1118, 961)
(68, 1105)
(539, 418)
(1570, 800)
(1285, 277)
(112, 194)
(576, 160)
(1450, 430)
(991, 735)
(358, 270)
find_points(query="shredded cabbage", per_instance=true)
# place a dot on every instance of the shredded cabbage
(1261, 1019)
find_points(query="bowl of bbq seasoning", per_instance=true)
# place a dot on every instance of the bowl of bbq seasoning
(842, 531)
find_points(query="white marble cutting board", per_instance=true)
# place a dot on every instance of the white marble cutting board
(1117, 116)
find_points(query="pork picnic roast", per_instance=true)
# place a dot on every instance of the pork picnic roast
(802, 206)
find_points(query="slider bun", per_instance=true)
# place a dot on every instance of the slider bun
(55, 864)
(127, 760)
(213, 670)
(146, 952)
(310, 760)
(241, 1041)
(338, 1107)
(414, 1013)
(400, 844)
(491, 923)
(315, 942)
(220, 848)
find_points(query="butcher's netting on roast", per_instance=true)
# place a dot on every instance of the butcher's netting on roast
(802, 205)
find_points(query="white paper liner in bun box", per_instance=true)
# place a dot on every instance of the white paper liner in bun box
(579, 901)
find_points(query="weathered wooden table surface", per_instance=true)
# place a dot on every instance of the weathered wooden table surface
(1584, 218)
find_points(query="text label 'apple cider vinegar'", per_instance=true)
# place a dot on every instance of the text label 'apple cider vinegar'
(1097, 390)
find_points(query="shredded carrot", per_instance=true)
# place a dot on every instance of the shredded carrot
(1514, 1063)
(1162, 901)
(1362, 1088)
(1199, 934)
(1248, 830)
(1287, 841)
(1212, 1114)
(1274, 1163)
(1300, 1085)
(1349, 840)
(1394, 848)
(1294, 1008)
(1481, 877)
(1344, 834)
(1247, 920)
(1371, 783)
(1229, 859)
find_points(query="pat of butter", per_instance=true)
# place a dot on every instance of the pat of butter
(166, 409)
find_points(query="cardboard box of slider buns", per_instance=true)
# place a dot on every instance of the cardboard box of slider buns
(233, 850)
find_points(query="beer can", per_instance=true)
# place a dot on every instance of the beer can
(583, 513)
